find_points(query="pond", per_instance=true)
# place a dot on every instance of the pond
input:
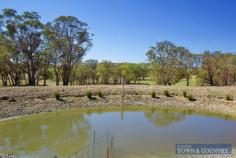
(137, 133)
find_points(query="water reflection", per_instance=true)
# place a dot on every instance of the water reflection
(45, 135)
(164, 118)
(63, 133)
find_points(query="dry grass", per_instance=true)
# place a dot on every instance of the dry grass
(49, 91)
(28, 100)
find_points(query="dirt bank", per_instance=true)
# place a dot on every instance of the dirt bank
(15, 101)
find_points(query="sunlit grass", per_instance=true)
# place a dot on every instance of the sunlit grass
(192, 82)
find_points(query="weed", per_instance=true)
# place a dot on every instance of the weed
(191, 98)
(229, 97)
(57, 96)
(89, 94)
(166, 93)
(100, 94)
(185, 94)
(153, 94)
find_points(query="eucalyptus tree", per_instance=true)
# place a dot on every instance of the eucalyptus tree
(143, 70)
(25, 32)
(117, 76)
(105, 71)
(218, 68)
(53, 47)
(4, 59)
(12, 67)
(163, 57)
(45, 59)
(82, 75)
(127, 71)
(70, 41)
(209, 68)
(92, 66)
(188, 63)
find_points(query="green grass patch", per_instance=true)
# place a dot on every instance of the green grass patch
(146, 82)
(192, 82)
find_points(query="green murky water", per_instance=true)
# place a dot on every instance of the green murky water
(136, 133)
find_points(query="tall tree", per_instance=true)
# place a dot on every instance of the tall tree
(70, 40)
(92, 66)
(46, 58)
(4, 59)
(25, 31)
(163, 58)
(104, 71)
(188, 63)
(209, 67)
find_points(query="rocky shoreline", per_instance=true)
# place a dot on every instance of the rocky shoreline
(17, 101)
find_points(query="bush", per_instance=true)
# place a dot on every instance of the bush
(166, 93)
(100, 94)
(58, 96)
(185, 94)
(228, 97)
(153, 94)
(89, 94)
(191, 98)
(4, 98)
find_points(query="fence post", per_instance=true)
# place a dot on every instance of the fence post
(94, 150)
(107, 150)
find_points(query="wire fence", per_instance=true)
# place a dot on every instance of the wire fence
(99, 147)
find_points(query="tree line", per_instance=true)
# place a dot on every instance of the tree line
(31, 51)
(171, 63)
(106, 72)
(29, 47)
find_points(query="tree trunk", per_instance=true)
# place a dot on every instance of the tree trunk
(57, 75)
(31, 81)
(57, 82)
(66, 81)
(66, 75)
(17, 80)
(31, 77)
(44, 80)
(93, 79)
(4, 81)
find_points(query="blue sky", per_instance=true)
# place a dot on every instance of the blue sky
(125, 29)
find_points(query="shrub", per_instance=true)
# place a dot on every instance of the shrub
(100, 94)
(191, 98)
(166, 93)
(4, 98)
(89, 94)
(185, 94)
(228, 97)
(153, 94)
(12, 100)
(58, 96)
